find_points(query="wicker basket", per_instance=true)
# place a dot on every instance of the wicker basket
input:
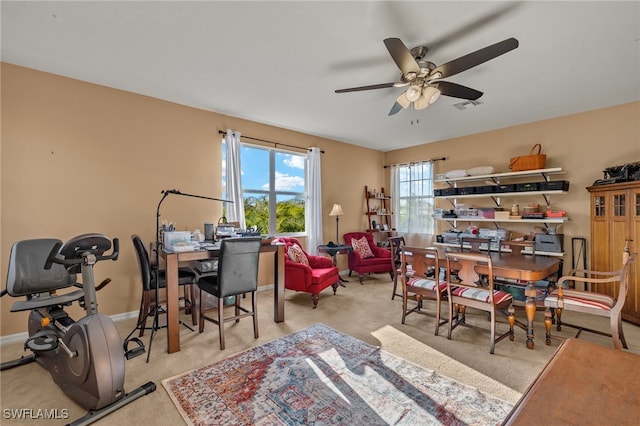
(533, 161)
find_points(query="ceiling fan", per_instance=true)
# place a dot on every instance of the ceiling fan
(424, 78)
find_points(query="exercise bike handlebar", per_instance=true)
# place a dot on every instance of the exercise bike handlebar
(74, 251)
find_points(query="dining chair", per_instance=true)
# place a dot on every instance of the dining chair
(421, 279)
(475, 244)
(567, 298)
(396, 244)
(465, 288)
(149, 273)
(517, 247)
(237, 275)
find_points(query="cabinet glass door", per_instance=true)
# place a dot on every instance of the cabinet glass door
(599, 206)
(619, 205)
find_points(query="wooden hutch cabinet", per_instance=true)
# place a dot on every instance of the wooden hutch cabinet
(615, 220)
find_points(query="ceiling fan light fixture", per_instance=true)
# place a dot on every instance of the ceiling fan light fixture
(421, 103)
(413, 93)
(431, 94)
(403, 101)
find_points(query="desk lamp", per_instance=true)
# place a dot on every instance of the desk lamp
(336, 211)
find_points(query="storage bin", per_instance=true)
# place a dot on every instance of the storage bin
(505, 188)
(560, 185)
(549, 242)
(467, 190)
(530, 186)
(486, 189)
(487, 213)
(450, 191)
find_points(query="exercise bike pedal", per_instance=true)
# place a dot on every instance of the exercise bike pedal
(134, 352)
(42, 341)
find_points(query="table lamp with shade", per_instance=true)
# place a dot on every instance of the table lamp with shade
(336, 211)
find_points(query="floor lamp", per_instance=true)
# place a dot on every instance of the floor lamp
(336, 211)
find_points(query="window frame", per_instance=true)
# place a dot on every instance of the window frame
(272, 193)
(406, 204)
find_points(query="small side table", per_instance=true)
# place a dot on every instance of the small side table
(333, 251)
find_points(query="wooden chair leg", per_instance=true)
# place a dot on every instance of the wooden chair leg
(616, 332)
(493, 332)
(559, 319)
(547, 325)
(404, 307)
(395, 286)
(512, 321)
(314, 298)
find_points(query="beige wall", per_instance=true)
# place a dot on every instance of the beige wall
(78, 157)
(581, 144)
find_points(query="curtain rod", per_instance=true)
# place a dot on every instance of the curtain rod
(222, 132)
(430, 160)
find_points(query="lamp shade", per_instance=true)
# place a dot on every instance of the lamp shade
(336, 210)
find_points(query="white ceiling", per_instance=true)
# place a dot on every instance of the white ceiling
(279, 63)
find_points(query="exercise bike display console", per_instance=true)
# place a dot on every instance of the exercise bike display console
(85, 358)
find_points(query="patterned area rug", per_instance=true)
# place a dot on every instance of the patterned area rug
(320, 376)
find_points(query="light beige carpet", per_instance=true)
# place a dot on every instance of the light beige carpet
(363, 311)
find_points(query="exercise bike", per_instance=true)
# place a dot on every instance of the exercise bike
(85, 357)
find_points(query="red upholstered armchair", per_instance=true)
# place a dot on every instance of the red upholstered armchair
(380, 261)
(312, 278)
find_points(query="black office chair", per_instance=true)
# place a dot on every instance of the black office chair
(237, 274)
(149, 303)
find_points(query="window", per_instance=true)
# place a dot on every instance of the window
(273, 187)
(413, 198)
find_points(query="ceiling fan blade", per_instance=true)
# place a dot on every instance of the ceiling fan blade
(457, 90)
(395, 109)
(472, 26)
(401, 56)
(371, 87)
(401, 102)
(473, 59)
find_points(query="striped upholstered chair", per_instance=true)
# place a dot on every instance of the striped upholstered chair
(421, 280)
(565, 298)
(465, 288)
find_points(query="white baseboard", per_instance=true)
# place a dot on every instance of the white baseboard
(22, 337)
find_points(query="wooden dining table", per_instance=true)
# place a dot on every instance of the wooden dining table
(172, 261)
(527, 270)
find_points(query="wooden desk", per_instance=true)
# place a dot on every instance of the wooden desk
(583, 384)
(528, 269)
(173, 259)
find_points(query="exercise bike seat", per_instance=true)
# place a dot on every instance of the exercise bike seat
(28, 277)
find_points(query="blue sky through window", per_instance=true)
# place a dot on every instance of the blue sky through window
(289, 170)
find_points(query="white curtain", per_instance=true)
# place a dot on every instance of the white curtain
(235, 210)
(314, 202)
